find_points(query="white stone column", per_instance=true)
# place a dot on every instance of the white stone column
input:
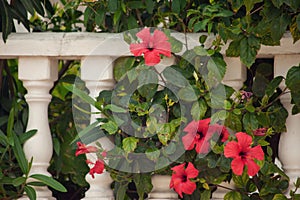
(289, 147)
(38, 75)
(161, 189)
(235, 77)
(97, 72)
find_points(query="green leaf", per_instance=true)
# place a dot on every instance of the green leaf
(149, 6)
(28, 5)
(205, 195)
(277, 3)
(18, 181)
(298, 21)
(201, 25)
(30, 192)
(49, 182)
(248, 50)
(147, 81)
(143, 184)
(174, 77)
(250, 122)
(176, 6)
(7, 20)
(199, 109)
(99, 16)
(10, 125)
(187, 94)
(25, 136)
(199, 50)
(271, 87)
(250, 4)
(3, 139)
(279, 26)
(122, 66)
(176, 45)
(129, 144)
(114, 108)
(293, 78)
(153, 154)
(38, 6)
(216, 67)
(20, 156)
(111, 127)
(85, 131)
(233, 195)
(135, 5)
(113, 5)
(84, 96)
(233, 49)
(279, 197)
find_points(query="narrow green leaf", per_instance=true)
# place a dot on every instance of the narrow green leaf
(20, 156)
(49, 182)
(25, 136)
(114, 108)
(84, 96)
(38, 6)
(298, 21)
(18, 181)
(7, 20)
(30, 192)
(10, 126)
(28, 5)
(86, 131)
(3, 138)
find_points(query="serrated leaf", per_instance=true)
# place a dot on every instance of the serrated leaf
(174, 77)
(199, 50)
(248, 50)
(279, 26)
(111, 127)
(233, 195)
(129, 144)
(250, 4)
(199, 109)
(49, 181)
(176, 45)
(187, 94)
(30, 192)
(201, 25)
(122, 66)
(233, 49)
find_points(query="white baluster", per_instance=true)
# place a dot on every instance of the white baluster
(234, 77)
(289, 147)
(97, 74)
(38, 75)
(161, 189)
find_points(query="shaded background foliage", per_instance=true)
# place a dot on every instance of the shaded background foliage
(246, 25)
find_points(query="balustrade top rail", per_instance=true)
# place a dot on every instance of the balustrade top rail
(76, 45)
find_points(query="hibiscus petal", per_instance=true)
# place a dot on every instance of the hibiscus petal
(159, 36)
(191, 171)
(192, 127)
(232, 150)
(145, 35)
(256, 152)
(237, 166)
(189, 141)
(244, 139)
(138, 49)
(163, 48)
(188, 187)
(253, 168)
(178, 170)
(202, 146)
(152, 57)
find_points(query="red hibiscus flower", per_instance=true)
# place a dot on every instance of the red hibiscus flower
(197, 136)
(98, 167)
(199, 133)
(180, 180)
(82, 149)
(151, 46)
(243, 155)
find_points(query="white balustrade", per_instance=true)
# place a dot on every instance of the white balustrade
(37, 53)
(289, 147)
(38, 75)
(97, 74)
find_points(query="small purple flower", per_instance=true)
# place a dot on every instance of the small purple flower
(246, 95)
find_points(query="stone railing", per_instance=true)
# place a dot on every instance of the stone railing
(38, 55)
